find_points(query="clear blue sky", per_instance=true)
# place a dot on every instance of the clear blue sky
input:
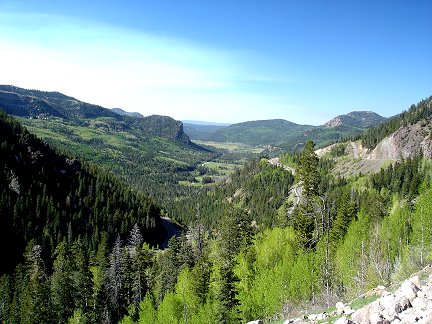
(223, 60)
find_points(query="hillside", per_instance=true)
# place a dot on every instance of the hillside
(145, 151)
(125, 113)
(290, 136)
(259, 132)
(360, 119)
(199, 131)
(34, 104)
(401, 137)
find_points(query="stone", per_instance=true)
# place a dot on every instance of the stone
(420, 303)
(415, 280)
(402, 304)
(321, 316)
(343, 320)
(255, 322)
(312, 317)
(339, 308)
(347, 310)
(409, 290)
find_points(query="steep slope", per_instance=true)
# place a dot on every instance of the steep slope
(36, 104)
(145, 151)
(47, 197)
(403, 136)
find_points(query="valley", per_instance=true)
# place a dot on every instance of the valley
(121, 218)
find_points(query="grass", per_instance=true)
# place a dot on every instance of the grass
(131, 153)
(232, 147)
(225, 169)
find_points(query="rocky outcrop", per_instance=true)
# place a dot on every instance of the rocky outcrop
(410, 303)
(407, 141)
(361, 119)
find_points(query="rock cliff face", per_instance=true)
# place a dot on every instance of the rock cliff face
(407, 141)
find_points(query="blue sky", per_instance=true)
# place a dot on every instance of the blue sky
(223, 60)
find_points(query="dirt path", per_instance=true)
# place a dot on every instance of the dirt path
(297, 188)
(355, 150)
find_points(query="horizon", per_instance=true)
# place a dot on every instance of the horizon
(207, 122)
(305, 62)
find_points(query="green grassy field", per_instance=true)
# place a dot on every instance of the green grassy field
(231, 147)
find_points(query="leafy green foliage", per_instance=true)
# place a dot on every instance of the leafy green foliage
(85, 239)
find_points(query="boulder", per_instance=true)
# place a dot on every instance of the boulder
(420, 303)
(340, 308)
(347, 310)
(343, 320)
(409, 290)
(370, 313)
(402, 304)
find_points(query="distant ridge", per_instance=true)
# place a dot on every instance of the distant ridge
(291, 136)
(35, 104)
(204, 123)
(126, 113)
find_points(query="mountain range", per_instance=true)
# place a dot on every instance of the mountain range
(285, 134)
(144, 151)
(83, 244)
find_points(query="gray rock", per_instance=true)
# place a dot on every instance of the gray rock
(368, 314)
(347, 310)
(409, 290)
(420, 303)
(402, 304)
(339, 308)
(343, 320)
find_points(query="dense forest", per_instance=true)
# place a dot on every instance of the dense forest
(84, 247)
(59, 221)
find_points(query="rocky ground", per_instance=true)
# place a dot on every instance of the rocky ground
(411, 302)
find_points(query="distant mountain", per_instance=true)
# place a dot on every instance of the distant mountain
(290, 136)
(204, 123)
(36, 104)
(259, 132)
(126, 113)
(361, 119)
(201, 132)
(145, 151)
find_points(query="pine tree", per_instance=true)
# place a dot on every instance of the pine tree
(306, 219)
(115, 277)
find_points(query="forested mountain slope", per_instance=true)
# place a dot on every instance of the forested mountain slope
(344, 237)
(144, 151)
(59, 220)
(290, 136)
